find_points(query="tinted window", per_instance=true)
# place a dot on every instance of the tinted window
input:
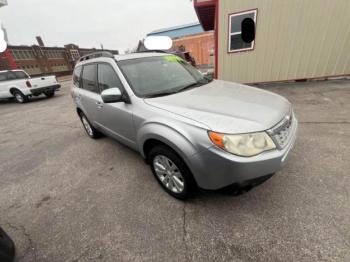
(21, 75)
(76, 76)
(107, 77)
(3, 77)
(11, 76)
(89, 78)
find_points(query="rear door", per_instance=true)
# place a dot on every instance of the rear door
(4, 93)
(89, 94)
(115, 118)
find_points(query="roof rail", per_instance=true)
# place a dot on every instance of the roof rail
(95, 55)
(152, 51)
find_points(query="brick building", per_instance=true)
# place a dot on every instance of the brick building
(201, 47)
(41, 60)
(191, 38)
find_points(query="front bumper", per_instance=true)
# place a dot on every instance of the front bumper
(41, 90)
(215, 168)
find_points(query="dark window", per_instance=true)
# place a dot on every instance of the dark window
(107, 77)
(89, 78)
(11, 76)
(76, 76)
(21, 75)
(236, 42)
(3, 77)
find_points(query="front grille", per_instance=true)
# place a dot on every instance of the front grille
(281, 133)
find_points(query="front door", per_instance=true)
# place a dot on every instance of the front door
(115, 118)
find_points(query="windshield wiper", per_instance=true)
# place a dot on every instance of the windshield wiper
(189, 86)
(159, 94)
(195, 84)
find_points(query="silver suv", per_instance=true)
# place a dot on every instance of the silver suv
(192, 131)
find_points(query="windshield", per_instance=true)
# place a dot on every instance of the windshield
(160, 75)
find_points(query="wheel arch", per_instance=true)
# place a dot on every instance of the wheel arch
(153, 134)
(13, 89)
(79, 111)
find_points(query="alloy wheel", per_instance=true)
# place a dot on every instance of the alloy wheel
(168, 173)
(19, 98)
(87, 126)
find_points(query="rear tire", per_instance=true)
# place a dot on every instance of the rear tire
(19, 97)
(90, 130)
(171, 172)
(49, 94)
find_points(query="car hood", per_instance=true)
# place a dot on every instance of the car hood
(227, 107)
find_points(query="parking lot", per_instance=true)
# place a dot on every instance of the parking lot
(66, 197)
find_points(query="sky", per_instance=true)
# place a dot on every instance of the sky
(117, 24)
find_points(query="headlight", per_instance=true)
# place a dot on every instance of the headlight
(244, 144)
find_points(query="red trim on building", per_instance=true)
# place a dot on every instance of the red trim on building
(208, 15)
(10, 59)
(205, 3)
(216, 39)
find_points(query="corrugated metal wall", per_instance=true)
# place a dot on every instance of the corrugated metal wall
(295, 39)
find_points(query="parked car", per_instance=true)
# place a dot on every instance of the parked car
(190, 130)
(18, 84)
(7, 247)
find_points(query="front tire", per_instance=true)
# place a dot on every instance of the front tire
(171, 172)
(90, 130)
(19, 97)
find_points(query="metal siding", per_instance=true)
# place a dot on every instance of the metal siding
(179, 32)
(294, 40)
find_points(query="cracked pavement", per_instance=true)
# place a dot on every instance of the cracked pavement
(65, 197)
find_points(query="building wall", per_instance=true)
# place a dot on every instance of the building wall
(201, 47)
(294, 40)
(37, 60)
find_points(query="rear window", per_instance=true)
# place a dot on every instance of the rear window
(76, 76)
(3, 77)
(21, 75)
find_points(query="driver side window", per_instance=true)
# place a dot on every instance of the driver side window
(108, 78)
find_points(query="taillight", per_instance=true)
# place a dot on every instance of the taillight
(28, 83)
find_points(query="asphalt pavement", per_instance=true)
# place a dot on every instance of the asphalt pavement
(66, 197)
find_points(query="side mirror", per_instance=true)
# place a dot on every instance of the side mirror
(111, 95)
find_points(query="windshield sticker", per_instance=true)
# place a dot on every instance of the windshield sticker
(173, 58)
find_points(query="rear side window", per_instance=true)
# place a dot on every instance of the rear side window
(108, 78)
(11, 76)
(20, 75)
(76, 76)
(3, 77)
(89, 78)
